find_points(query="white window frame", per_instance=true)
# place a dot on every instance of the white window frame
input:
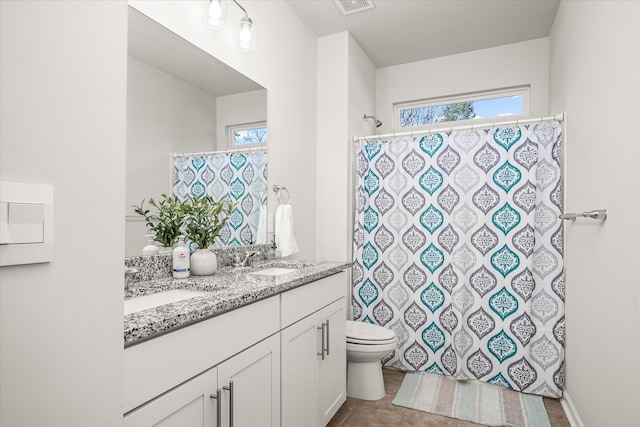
(524, 91)
(231, 129)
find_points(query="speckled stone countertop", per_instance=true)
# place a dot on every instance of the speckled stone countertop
(229, 288)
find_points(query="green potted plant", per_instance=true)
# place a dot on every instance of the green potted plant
(165, 222)
(204, 218)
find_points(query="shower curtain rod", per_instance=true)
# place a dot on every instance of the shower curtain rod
(212, 153)
(559, 117)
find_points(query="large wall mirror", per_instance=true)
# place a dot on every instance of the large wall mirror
(183, 109)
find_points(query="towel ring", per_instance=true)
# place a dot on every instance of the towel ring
(279, 189)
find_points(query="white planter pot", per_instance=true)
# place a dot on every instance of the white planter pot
(165, 250)
(203, 262)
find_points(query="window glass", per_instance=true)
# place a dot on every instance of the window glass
(511, 102)
(248, 134)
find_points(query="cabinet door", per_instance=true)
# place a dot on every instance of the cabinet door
(313, 387)
(333, 369)
(250, 383)
(188, 405)
(300, 346)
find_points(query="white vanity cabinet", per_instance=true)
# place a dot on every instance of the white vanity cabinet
(280, 361)
(243, 391)
(313, 352)
(169, 379)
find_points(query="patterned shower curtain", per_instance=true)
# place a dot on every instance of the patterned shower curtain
(235, 177)
(458, 249)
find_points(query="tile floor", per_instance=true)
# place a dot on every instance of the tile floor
(378, 413)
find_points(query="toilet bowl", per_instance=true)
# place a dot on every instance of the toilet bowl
(367, 344)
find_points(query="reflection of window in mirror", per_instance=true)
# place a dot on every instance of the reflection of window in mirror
(247, 135)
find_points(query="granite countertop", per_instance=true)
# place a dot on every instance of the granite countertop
(228, 288)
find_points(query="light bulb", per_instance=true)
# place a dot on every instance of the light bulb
(215, 11)
(245, 33)
(216, 15)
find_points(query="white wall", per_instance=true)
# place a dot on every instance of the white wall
(595, 69)
(164, 115)
(332, 150)
(63, 122)
(284, 62)
(494, 68)
(238, 109)
(362, 96)
(63, 86)
(346, 88)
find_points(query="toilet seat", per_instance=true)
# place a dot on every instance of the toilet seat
(367, 333)
(370, 342)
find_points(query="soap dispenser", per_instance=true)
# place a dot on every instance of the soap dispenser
(181, 260)
(273, 252)
(151, 248)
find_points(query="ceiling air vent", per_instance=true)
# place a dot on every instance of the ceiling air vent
(352, 6)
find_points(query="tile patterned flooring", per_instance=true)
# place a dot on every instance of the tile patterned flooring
(378, 413)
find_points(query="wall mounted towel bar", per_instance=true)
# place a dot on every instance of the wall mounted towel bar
(597, 214)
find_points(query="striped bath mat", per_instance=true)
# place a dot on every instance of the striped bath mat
(473, 401)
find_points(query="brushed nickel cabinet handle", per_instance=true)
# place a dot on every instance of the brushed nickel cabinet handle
(218, 398)
(322, 329)
(230, 388)
(328, 337)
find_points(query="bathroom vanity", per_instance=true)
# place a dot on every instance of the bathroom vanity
(263, 346)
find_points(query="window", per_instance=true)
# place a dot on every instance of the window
(247, 135)
(485, 105)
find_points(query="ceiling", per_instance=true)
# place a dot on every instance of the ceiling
(402, 31)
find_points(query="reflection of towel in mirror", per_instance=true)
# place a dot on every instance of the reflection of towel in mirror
(261, 232)
(285, 239)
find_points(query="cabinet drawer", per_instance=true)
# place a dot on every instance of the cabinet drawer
(157, 365)
(304, 300)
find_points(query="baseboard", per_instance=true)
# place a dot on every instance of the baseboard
(570, 410)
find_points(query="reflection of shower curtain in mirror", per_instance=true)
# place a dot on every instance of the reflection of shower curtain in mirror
(235, 177)
(458, 249)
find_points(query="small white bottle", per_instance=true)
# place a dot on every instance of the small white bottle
(181, 260)
(151, 248)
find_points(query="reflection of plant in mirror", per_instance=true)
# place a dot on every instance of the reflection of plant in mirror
(205, 218)
(166, 221)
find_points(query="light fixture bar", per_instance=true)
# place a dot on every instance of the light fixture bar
(243, 9)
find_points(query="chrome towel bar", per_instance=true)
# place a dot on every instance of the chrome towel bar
(596, 214)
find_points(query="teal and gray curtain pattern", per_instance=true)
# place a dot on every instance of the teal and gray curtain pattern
(458, 249)
(235, 177)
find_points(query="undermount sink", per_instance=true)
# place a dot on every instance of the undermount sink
(133, 305)
(274, 271)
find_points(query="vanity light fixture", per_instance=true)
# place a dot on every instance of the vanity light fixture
(216, 17)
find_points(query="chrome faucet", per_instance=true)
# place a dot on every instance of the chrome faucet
(247, 258)
(128, 276)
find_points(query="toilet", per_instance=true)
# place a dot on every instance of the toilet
(367, 344)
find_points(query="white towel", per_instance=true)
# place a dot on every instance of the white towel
(262, 226)
(285, 239)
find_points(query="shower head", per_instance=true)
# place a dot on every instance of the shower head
(378, 122)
